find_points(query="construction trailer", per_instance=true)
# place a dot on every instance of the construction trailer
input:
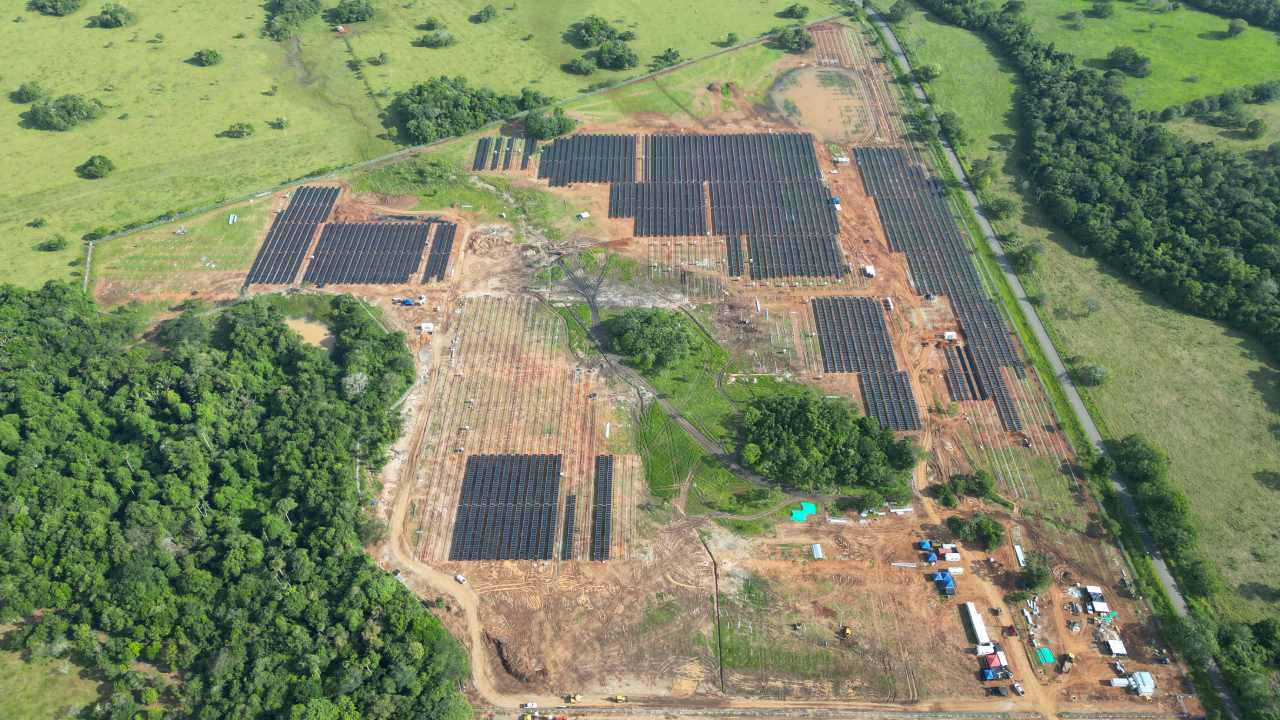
(1143, 683)
(976, 624)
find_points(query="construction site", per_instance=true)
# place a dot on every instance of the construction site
(517, 498)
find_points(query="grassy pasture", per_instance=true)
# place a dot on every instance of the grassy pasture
(163, 119)
(1201, 392)
(1269, 113)
(524, 46)
(1190, 54)
(42, 690)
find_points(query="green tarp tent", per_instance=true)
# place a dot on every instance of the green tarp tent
(1044, 655)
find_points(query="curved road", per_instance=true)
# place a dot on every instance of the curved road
(1046, 345)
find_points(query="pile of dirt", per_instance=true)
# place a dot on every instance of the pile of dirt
(515, 661)
(490, 240)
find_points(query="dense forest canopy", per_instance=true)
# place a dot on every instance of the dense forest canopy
(1198, 224)
(196, 508)
(443, 107)
(802, 441)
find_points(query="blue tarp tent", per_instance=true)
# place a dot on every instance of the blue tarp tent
(988, 675)
(931, 558)
(926, 545)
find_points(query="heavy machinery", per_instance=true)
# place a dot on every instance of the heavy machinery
(573, 699)
(845, 632)
(618, 698)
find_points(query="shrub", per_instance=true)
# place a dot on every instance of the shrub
(432, 23)
(29, 92)
(1102, 9)
(666, 59)
(1037, 574)
(616, 55)
(55, 7)
(65, 112)
(543, 126)
(352, 11)
(1255, 129)
(113, 15)
(53, 244)
(898, 11)
(206, 57)
(380, 59)
(485, 14)
(1090, 375)
(1128, 60)
(795, 12)
(97, 166)
(1236, 27)
(436, 39)
(926, 73)
(238, 130)
(581, 65)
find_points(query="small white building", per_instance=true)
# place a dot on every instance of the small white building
(817, 552)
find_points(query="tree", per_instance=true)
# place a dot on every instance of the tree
(953, 128)
(485, 14)
(238, 130)
(29, 92)
(1236, 27)
(666, 59)
(97, 166)
(543, 126)
(795, 12)
(591, 31)
(55, 7)
(432, 23)
(794, 39)
(898, 11)
(1090, 375)
(1255, 129)
(981, 530)
(651, 338)
(380, 59)
(581, 65)
(351, 11)
(999, 207)
(444, 107)
(1139, 460)
(240, 539)
(1128, 60)
(1013, 7)
(730, 40)
(982, 171)
(1037, 574)
(284, 16)
(1075, 19)
(929, 72)
(206, 57)
(803, 441)
(1025, 258)
(1102, 9)
(65, 112)
(113, 15)
(615, 55)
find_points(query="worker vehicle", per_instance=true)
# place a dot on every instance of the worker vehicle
(573, 699)
(1017, 688)
(529, 706)
(462, 580)
(618, 698)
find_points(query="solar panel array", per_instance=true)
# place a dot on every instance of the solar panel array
(570, 517)
(530, 147)
(441, 247)
(960, 381)
(889, 399)
(482, 154)
(507, 508)
(660, 209)
(367, 253)
(918, 222)
(733, 248)
(854, 338)
(286, 244)
(811, 256)
(751, 158)
(602, 508)
(798, 207)
(589, 159)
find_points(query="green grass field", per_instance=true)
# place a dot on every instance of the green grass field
(1193, 129)
(42, 690)
(1201, 392)
(524, 46)
(163, 119)
(1190, 55)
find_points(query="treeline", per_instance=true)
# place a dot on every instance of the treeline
(285, 16)
(824, 446)
(196, 508)
(1227, 109)
(444, 107)
(1265, 13)
(1198, 224)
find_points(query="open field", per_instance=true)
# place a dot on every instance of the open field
(1190, 54)
(47, 690)
(163, 118)
(1178, 379)
(524, 46)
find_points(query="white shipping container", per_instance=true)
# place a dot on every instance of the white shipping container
(956, 570)
(951, 557)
